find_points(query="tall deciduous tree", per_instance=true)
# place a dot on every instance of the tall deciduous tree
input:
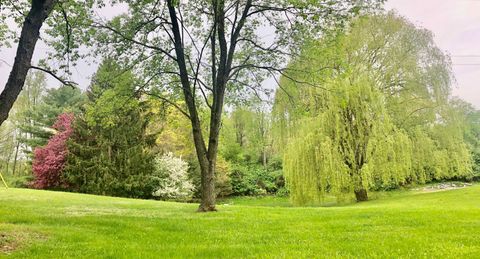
(206, 51)
(39, 11)
(347, 148)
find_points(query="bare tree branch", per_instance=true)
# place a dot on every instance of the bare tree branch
(61, 80)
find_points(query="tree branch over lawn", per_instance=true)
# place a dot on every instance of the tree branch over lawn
(39, 11)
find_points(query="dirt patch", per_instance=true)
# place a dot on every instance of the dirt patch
(86, 211)
(12, 241)
(9, 242)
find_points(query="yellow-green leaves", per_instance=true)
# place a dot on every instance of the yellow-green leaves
(376, 102)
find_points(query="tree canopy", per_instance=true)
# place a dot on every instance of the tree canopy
(376, 113)
(195, 100)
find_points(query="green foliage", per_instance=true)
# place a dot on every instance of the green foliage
(18, 181)
(223, 185)
(109, 153)
(36, 122)
(246, 144)
(31, 120)
(252, 179)
(172, 128)
(381, 117)
(245, 135)
(349, 147)
(468, 121)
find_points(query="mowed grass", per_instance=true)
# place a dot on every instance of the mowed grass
(44, 224)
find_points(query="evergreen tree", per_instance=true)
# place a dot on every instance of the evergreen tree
(36, 121)
(109, 153)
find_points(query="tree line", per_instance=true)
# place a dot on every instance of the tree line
(362, 101)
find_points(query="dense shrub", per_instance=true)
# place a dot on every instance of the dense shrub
(255, 180)
(476, 166)
(282, 192)
(223, 185)
(18, 181)
(49, 161)
(171, 173)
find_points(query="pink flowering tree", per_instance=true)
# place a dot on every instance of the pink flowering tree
(49, 161)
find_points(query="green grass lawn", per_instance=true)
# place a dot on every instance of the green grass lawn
(47, 224)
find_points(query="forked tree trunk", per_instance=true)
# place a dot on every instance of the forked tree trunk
(207, 155)
(208, 176)
(361, 195)
(39, 11)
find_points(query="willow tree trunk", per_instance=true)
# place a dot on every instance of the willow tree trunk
(361, 195)
(39, 11)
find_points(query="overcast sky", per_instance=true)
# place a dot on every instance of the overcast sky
(455, 24)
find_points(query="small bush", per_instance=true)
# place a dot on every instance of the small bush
(282, 192)
(21, 181)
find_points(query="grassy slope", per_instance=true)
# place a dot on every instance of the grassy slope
(55, 225)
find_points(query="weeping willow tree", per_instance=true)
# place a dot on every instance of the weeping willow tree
(372, 112)
(350, 147)
(401, 60)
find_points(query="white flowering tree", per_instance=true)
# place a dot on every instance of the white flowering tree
(173, 178)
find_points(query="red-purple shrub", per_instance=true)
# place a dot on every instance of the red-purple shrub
(49, 161)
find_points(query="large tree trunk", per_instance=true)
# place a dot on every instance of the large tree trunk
(28, 39)
(208, 189)
(361, 195)
(207, 168)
